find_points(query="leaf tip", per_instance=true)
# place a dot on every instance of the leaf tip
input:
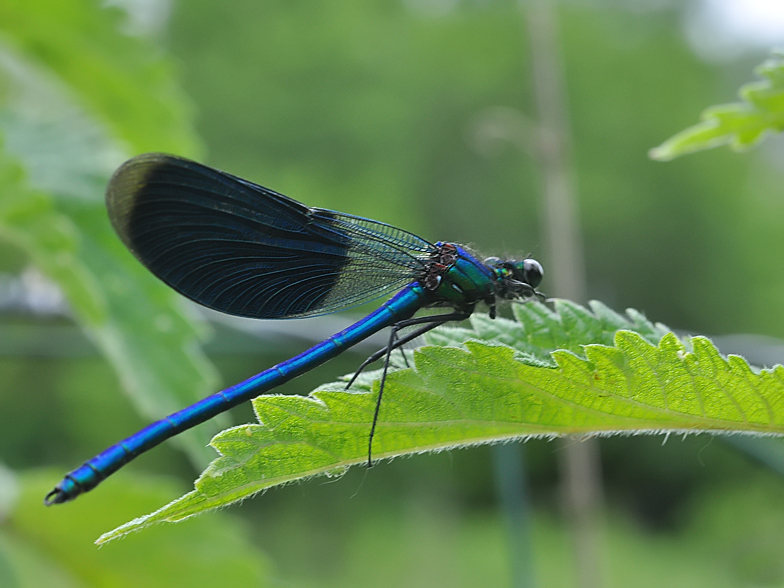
(661, 153)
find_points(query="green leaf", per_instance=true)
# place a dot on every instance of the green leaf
(54, 163)
(488, 391)
(569, 327)
(122, 80)
(114, 300)
(741, 125)
(41, 547)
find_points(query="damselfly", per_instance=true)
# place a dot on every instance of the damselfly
(245, 250)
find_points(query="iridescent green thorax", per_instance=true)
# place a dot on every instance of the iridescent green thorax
(454, 277)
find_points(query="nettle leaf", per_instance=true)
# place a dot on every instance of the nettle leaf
(742, 124)
(570, 327)
(602, 380)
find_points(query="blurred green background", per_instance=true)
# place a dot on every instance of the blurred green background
(380, 109)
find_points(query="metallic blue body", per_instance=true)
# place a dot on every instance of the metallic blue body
(87, 476)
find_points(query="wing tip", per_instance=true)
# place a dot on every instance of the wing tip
(127, 183)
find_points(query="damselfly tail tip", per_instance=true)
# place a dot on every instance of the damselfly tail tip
(65, 491)
(56, 496)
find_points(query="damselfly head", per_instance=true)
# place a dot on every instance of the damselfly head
(516, 278)
(528, 271)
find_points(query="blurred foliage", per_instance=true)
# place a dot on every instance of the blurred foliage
(123, 81)
(741, 125)
(44, 547)
(75, 92)
(57, 156)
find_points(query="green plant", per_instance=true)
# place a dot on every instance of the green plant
(741, 125)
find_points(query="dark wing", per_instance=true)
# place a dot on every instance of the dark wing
(237, 247)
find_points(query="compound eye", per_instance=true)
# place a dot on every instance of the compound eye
(532, 272)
